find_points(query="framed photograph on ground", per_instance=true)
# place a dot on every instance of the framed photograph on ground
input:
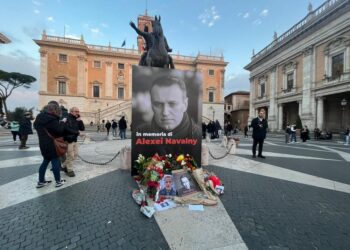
(167, 186)
(184, 183)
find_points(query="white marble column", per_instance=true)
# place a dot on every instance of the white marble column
(272, 106)
(300, 107)
(109, 80)
(320, 102)
(280, 117)
(43, 71)
(305, 108)
(222, 81)
(251, 100)
(81, 84)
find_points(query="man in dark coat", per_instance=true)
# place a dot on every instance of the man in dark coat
(25, 129)
(122, 127)
(259, 125)
(76, 124)
(46, 124)
(114, 128)
(108, 126)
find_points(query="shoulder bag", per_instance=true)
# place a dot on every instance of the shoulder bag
(61, 146)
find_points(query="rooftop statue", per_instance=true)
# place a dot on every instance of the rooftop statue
(156, 50)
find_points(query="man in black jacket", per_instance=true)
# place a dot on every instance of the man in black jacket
(25, 129)
(259, 125)
(75, 123)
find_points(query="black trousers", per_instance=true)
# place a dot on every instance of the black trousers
(14, 135)
(256, 142)
(24, 139)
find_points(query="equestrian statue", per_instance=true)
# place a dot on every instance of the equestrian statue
(157, 48)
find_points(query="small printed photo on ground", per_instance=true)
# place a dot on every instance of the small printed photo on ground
(167, 186)
(185, 183)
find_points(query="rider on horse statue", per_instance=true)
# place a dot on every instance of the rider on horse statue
(157, 48)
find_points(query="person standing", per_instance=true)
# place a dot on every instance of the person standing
(204, 130)
(108, 126)
(47, 125)
(347, 136)
(259, 125)
(293, 134)
(25, 129)
(114, 128)
(14, 126)
(229, 128)
(122, 127)
(287, 134)
(75, 123)
(246, 131)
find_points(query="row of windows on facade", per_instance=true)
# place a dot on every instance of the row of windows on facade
(337, 69)
(62, 90)
(98, 64)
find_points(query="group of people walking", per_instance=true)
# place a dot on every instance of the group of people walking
(114, 125)
(50, 124)
(212, 128)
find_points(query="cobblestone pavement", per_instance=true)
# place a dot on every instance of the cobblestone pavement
(276, 214)
(97, 212)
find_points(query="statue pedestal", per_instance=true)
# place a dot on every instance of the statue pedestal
(205, 155)
(125, 158)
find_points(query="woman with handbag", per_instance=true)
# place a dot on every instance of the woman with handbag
(49, 129)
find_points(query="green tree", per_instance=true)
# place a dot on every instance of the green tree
(18, 113)
(10, 81)
(298, 124)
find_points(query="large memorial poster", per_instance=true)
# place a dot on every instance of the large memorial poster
(166, 112)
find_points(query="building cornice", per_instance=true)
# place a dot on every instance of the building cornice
(79, 44)
(315, 20)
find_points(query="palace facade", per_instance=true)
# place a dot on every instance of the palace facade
(306, 72)
(98, 79)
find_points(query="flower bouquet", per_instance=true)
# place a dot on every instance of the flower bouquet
(151, 170)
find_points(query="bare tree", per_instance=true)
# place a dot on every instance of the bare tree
(10, 81)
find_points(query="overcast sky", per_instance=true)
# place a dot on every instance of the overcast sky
(231, 27)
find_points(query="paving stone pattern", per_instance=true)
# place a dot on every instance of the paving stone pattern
(95, 214)
(276, 214)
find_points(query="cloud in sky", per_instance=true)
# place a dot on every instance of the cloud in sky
(237, 82)
(31, 31)
(50, 19)
(36, 3)
(257, 21)
(209, 17)
(264, 12)
(104, 25)
(36, 11)
(246, 15)
(73, 36)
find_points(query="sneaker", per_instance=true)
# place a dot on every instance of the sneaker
(60, 183)
(42, 184)
(261, 156)
(71, 173)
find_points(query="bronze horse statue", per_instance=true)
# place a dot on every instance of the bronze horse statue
(156, 50)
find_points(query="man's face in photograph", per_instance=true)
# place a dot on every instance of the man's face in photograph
(185, 182)
(169, 104)
(168, 183)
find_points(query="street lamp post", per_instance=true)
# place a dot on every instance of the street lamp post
(343, 104)
(213, 114)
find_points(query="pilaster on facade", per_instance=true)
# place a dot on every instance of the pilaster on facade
(320, 112)
(109, 80)
(43, 70)
(81, 84)
(308, 72)
(273, 101)
(280, 117)
(251, 100)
